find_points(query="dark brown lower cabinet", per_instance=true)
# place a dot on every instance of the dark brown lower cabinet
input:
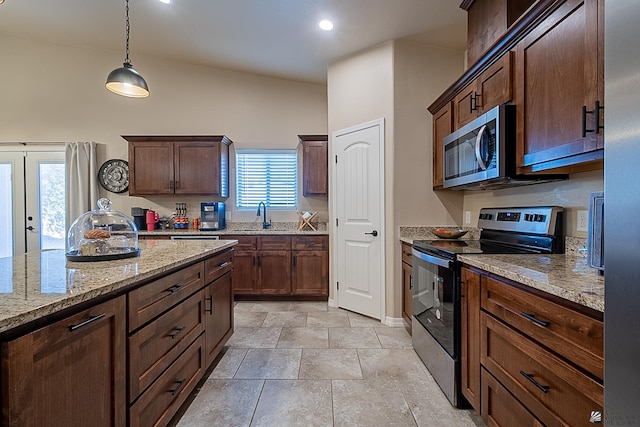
(500, 408)
(70, 373)
(274, 269)
(158, 404)
(218, 308)
(528, 358)
(470, 328)
(277, 266)
(310, 273)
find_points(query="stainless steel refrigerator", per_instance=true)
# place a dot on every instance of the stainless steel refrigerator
(622, 213)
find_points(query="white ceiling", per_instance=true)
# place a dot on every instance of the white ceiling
(278, 38)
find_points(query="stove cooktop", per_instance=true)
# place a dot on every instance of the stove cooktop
(451, 248)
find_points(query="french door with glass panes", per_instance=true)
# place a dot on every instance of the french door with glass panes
(32, 199)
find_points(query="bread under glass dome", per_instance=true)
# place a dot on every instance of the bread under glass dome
(102, 235)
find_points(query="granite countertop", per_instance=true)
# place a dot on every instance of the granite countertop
(563, 275)
(244, 228)
(41, 283)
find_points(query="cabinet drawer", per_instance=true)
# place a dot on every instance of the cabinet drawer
(310, 243)
(573, 335)
(245, 243)
(500, 408)
(162, 400)
(274, 243)
(153, 348)
(152, 299)
(553, 390)
(407, 256)
(218, 265)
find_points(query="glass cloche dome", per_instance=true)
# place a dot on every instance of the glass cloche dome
(102, 235)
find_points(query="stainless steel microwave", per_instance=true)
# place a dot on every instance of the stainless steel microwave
(482, 154)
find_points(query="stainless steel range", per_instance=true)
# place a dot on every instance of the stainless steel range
(436, 281)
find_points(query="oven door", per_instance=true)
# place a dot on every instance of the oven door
(434, 298)
(435, 326)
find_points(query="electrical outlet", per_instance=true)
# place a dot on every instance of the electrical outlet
(583, 221)
(467, 217)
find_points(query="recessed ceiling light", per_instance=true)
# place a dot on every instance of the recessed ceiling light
(165, 1)
(326, 25)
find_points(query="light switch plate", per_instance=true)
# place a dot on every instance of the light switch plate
(467, 217)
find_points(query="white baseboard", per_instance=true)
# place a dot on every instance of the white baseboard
(394, 321)
(331, 302)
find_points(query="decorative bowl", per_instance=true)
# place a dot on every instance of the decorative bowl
(449, 233)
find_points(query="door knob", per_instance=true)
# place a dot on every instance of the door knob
(30, 228)
(374, 233)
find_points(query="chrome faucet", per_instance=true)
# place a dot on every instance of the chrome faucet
(265, 225)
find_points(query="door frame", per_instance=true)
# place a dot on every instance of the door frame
(334, 212)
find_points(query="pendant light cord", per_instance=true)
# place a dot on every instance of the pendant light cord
(127, 29)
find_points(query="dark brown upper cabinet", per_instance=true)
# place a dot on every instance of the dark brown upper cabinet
(315, 165)
(186, 165)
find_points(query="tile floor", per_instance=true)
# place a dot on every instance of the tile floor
(307, 364)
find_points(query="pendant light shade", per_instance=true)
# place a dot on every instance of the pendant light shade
(126, 81)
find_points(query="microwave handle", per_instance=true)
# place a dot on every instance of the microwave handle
(481, 162)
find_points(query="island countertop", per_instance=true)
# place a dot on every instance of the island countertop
(41, 283)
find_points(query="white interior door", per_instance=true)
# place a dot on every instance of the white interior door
(32, 200)
(359, 210)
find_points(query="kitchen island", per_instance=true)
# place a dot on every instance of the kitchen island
(120, 342)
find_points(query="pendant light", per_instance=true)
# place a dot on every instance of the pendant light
(126, 81)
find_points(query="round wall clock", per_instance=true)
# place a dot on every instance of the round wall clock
(114, 175)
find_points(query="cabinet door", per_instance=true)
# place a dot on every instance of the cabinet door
(466, 105)
(70, 373)
(275, 272)
(495, 84)
(315, 164)
(559, 72)
(470, 325)
(245, 276)
(500, 408)
(407, 291)
(197, 167)
(442, 126)
(151, 168)
(218, 315)
(310, 273)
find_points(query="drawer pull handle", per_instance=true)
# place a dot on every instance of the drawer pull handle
(544, 388)
(173, 289)
(86, 322)
(210, 309)
(224, 264)
(174, 390)
(534, 319)
(177, 332)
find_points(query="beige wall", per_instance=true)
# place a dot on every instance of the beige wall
(573, 195)
(360, 89)
(397, 81)
(56, 93)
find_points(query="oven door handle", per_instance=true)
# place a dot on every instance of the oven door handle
(432, 259)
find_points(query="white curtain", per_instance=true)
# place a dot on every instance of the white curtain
(81, 179)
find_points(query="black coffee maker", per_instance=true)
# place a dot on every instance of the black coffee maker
(139, 218)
